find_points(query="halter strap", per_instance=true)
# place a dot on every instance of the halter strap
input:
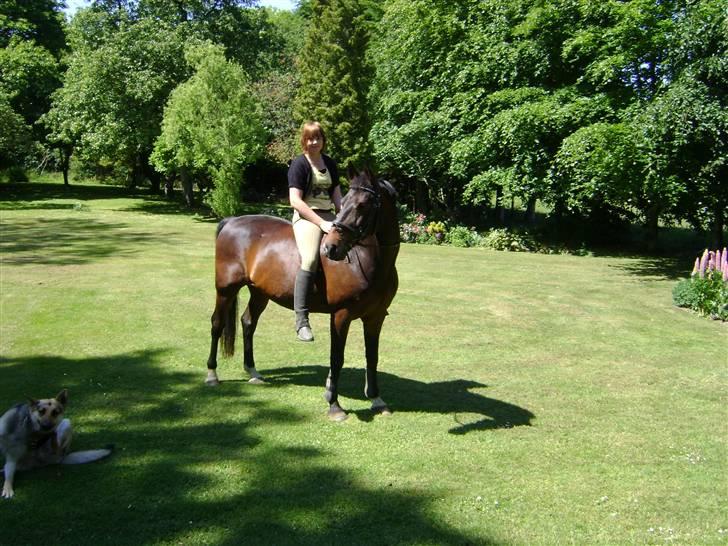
(361, 233)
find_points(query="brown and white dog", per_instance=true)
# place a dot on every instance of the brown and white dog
(36, 434)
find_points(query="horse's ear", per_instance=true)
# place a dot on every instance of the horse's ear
(370, 174)
(351, 173)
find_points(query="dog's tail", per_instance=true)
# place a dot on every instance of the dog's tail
(83, 457)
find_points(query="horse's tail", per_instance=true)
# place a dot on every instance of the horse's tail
(228, 332)
(222, 225)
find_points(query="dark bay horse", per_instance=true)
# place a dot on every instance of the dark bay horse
(357, 279)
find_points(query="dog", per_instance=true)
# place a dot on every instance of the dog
(36, 434)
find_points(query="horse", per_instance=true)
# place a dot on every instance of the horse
(357, 280)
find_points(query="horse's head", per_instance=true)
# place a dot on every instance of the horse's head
(358, 216)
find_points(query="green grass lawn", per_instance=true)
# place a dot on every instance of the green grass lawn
(538, 399)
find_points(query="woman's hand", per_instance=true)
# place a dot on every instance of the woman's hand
(326, 226)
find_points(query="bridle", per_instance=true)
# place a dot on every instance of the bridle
(359, 233)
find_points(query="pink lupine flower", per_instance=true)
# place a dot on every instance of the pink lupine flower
(696, 267)
(703, 264)
(718, 259)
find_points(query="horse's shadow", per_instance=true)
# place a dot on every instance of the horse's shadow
(409, 395)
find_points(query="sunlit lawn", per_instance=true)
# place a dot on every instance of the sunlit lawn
(537, 399)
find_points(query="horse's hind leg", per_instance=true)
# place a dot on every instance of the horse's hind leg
(372, 329)
(256, 305)
(225, 305)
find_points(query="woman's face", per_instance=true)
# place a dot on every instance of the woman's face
(314, 144)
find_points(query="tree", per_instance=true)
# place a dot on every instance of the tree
(28, 75)
(39, 21)
(15, 135)
(334, 77)
(410, 134)
(276, 87)
(211, 127)
(110, 107)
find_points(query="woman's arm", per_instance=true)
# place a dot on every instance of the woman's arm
(295, 196)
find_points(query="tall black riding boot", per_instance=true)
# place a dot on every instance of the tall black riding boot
(304, 284)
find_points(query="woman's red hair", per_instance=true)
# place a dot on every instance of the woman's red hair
(312, 129)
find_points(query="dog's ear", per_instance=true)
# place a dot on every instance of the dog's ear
(62, 397)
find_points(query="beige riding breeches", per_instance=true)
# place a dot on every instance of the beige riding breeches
(308, 238)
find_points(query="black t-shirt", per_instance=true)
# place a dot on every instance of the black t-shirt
(299, 174)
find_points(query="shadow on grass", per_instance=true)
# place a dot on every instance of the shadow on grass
(188, 470)
(67, 241)
(16, 196)
(659, 268)
(409, 395)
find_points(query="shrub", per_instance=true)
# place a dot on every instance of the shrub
(413, 229)
(706, 291)
(436, 232)
(503, 239)
(463, 237)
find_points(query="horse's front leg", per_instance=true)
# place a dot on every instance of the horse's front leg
(340, 322)
(372, 329)
(249, 320)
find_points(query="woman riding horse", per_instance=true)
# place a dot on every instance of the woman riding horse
(313, 186)
(357, 279)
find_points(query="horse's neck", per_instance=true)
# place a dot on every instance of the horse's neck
(388, 239)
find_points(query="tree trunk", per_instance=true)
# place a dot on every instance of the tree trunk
(653, 216)
(719, 225)
(500, 211)
(65, 164)
(186, 186)
(531, 211)
(421, 201)
(168, 186)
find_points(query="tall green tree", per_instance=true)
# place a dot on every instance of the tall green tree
(211, 128)
(334, 77)
(15, 135)
(29, 74)
(410, 136)
(32, 43)
(39, 21)
(111, 104)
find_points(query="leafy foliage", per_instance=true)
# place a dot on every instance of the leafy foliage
(708, 296)
(110, 107)
(29, 74)
(39, 21)
(706, 291)
(211, 126)
(334, 77)
(15, 135)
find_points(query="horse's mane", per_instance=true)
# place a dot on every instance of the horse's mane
(388, 188)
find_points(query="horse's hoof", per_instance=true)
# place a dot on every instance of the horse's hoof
(337, 415)
(382, 410)
(212, 382)
(256, 381)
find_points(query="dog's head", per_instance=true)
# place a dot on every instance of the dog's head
(47, 413)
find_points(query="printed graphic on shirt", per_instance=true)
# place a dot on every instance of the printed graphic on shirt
(319, 196)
